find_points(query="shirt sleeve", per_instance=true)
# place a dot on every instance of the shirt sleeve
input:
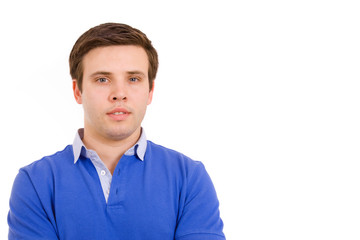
(199, 218)
(28, 218)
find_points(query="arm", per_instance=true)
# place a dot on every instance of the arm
(199, 218)
(28, 217)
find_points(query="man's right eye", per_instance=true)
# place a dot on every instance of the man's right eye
(102, 80)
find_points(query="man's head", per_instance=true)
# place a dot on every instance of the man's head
(110, 34)
(113, 67)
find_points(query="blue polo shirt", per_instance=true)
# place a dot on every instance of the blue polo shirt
(165, 195)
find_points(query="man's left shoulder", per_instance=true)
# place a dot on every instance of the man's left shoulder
(164, 155)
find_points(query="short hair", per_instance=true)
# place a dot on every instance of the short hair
(110, 34)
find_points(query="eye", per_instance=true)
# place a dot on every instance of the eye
(102, 80)
(133, 79)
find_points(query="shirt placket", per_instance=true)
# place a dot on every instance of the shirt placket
(103, 173)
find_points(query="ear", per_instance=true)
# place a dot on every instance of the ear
(151, 94)
(77, 92)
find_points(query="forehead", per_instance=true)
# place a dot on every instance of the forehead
(117, 58)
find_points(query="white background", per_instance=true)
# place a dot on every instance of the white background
(264, 93)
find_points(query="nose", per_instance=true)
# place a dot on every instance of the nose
(118, 92)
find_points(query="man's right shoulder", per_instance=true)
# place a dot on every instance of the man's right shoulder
(55, 162)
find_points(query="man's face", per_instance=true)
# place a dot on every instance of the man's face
(115, 91)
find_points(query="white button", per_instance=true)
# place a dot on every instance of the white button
(102, 172)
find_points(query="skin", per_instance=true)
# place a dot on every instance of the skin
(115, 78)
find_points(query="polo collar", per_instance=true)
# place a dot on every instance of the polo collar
(138, 149)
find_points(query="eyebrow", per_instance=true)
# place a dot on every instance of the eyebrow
(100, 73)
(136, 73)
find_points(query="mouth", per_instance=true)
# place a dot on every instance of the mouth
(118, 114)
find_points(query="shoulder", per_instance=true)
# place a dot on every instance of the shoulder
(174, 160)
(50, 164)
(37, 180)
(167, 154)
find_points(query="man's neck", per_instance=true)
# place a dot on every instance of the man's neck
(110, 151)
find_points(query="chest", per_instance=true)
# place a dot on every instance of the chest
(141, 205)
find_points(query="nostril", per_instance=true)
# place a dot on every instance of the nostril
(119, 98)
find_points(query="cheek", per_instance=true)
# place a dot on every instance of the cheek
(91, 105)
(140, 104)
(145, 99)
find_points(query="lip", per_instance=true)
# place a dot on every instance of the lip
(118, 117)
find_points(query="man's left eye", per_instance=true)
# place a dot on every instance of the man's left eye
(134, 79)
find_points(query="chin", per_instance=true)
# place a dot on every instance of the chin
(119, 134)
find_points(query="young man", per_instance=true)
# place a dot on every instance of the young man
(112, 183)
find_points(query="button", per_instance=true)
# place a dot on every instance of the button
(102, 172)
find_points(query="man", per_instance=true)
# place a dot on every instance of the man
(112, 183)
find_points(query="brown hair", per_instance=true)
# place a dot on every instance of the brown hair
(109, 34)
